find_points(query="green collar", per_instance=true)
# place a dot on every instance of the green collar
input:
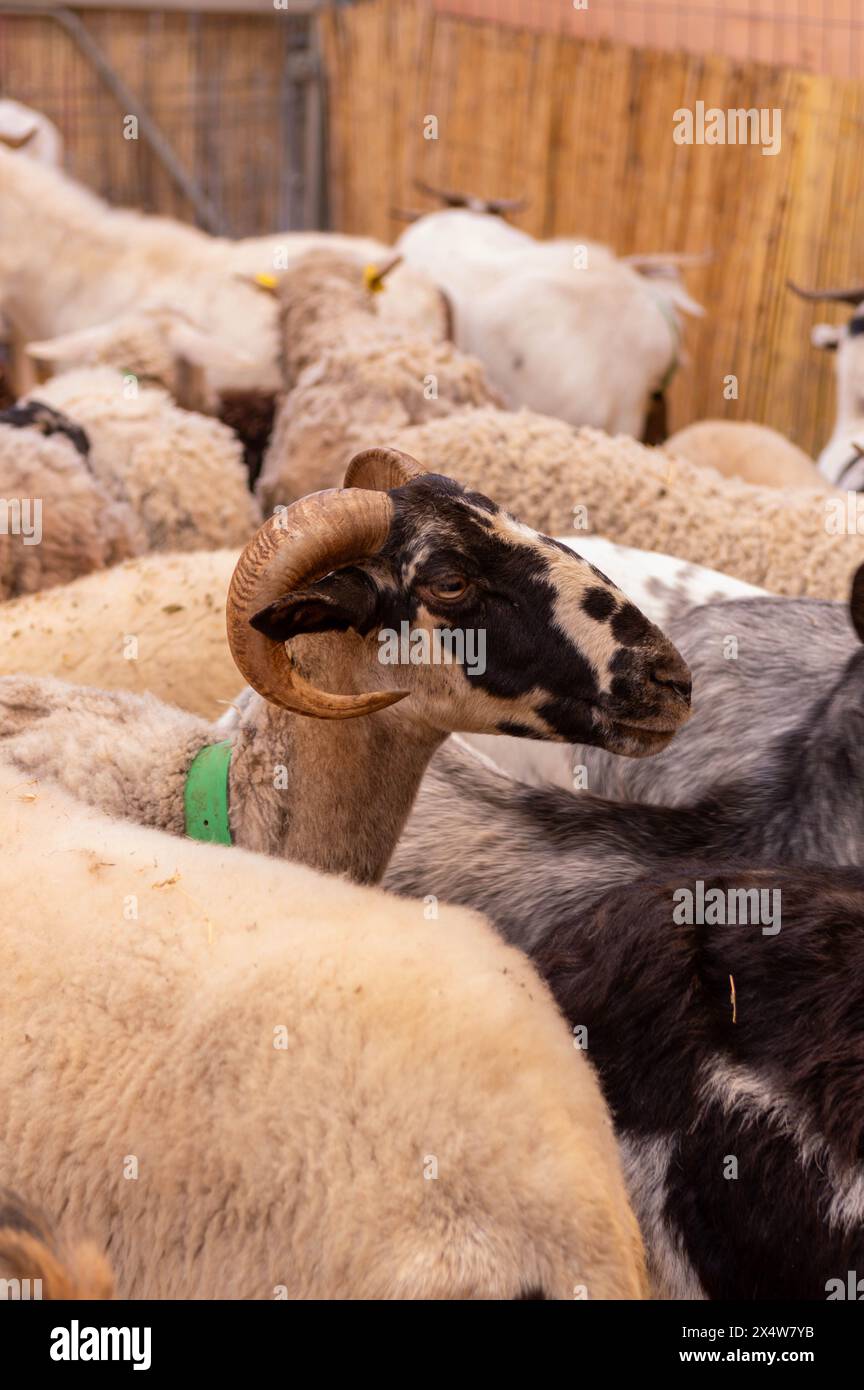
(206, 795)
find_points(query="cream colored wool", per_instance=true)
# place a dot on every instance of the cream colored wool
(252, 1079)
(153, 624)
(182, 473)
(83, 527)
(543, 469)
(352, 378)
(742, 449)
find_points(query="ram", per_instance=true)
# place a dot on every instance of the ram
(361, 582)
(157, 624)
(249, 1080)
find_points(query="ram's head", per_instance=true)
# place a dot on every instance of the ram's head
(436, 594)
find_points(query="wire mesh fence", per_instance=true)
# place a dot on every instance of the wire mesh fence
(235, 96)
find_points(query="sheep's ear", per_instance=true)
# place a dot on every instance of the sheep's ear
(338, 602)
(856, 602)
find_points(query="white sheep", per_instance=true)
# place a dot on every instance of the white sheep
(548, 319)
(357, 582)
(57, 520)
(249, 1080)
(181, 473)
(565, 480)
(842, 459)
(743, 449)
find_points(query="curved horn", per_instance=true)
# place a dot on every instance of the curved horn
(850, 296)
(381, 469)
(497, 207)
(444, 195)
(318, 534)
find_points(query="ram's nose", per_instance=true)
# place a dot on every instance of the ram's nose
(672, 674)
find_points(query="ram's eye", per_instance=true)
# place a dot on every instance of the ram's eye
(447, 589)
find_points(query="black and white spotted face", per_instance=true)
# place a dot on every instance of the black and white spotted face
(551, 648)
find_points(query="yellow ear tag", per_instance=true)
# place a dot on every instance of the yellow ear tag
(372, 279)
(267, 282)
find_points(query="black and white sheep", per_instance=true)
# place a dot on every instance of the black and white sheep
(724, 1006)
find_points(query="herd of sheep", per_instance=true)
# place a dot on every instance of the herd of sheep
(403, 1005)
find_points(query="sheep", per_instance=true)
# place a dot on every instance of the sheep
(57, 521)
(742, 449)
(690, 1081)
(22, 128)
(771, 675)
(94, 262)
(841, 459)
(351, 379)
(558, 479)
(546, 325)
(357, 580)
(160, 346)
(156, 623)
(36, 1263)
(250, 1080)
(182, 473)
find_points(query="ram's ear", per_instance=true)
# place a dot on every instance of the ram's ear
(336, 603)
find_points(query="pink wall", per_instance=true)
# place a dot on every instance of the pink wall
(819, 35)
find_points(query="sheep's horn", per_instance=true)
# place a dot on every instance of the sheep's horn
(307, 540)
(379, 470)
(850, 296)
(497, 206)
